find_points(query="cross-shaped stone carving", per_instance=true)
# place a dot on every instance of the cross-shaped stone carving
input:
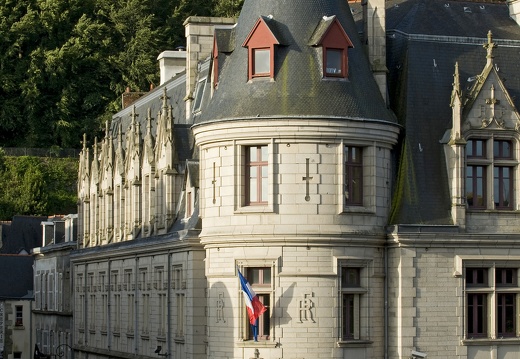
(307, 179)
(213, 182)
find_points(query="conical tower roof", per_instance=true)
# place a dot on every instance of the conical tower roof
(298, 88)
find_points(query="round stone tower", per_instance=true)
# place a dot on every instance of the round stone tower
(295, 158)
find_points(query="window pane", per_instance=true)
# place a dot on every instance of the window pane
(265, 184)
(334, 62)
(257, 181)
(477, 315)
(475, 186)
(350, 277)
(506, 314)
(476, 148)
(348, 316)
(476, 277)
(353, 175)
(506, 277)
(502, 187)
(502, 149)
(262, 61)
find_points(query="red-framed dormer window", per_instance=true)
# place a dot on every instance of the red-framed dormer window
(261, 43)
(334, 41)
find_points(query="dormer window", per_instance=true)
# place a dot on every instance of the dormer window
(334, 64)
(261, 62)
(334, 43)
(261, 43)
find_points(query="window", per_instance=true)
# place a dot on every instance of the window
(19, 316)
(492, 292)
(486, 159)
(353, 158)
(260, 280)
(256, 175)
(199, 94)
(334, 42)
(261, 62)
(351, 295)
(261, 43)
(334, 62)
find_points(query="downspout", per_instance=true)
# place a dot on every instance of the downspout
(109, 300)
(30, 323)
(386, 302)
(136, 306)
(168, 310)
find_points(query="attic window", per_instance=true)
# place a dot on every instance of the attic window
(334, 42)
(261, 62)
(334, 62)
(199, 93)
(261, 43)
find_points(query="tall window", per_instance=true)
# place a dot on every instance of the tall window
(486, 159)
(19, 316)
(351, 294)
(260, 280)
(256, 175)
(491, 293)
(353, 158)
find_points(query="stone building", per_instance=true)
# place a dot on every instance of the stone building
(357, 162)
(52, 308)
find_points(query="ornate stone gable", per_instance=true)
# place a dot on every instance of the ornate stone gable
(488, 104)
(133, 150)
(165, 153)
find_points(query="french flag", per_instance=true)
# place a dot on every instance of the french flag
(254, 307)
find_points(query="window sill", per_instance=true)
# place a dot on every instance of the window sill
(359, 210)
(488, 341)
(18, 327)
(334, 78)
(354, 343)
(253, 344)
(254, 209)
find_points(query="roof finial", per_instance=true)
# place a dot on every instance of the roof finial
(456, 78)
(489, 46)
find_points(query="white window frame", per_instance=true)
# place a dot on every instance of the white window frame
(362, 300)
(243, 318)
(489, 163)
(369, 178)
(240, 177)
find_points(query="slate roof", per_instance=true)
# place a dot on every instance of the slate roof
(298, 88)
(16, 278)
(24, 233)
(424, 41)
(176, 91)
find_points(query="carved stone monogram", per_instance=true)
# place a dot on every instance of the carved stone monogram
(306, 308)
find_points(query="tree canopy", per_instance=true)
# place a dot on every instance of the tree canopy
(65, 63)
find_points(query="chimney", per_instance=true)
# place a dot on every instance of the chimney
(199, 32)
(374, 38)
(514, 10)
(171, 63)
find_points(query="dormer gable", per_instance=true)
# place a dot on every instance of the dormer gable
(488, 103)
(261, 43)
(334, 42)
(223, 43)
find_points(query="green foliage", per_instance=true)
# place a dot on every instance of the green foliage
(37, 186)
(65, 63)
